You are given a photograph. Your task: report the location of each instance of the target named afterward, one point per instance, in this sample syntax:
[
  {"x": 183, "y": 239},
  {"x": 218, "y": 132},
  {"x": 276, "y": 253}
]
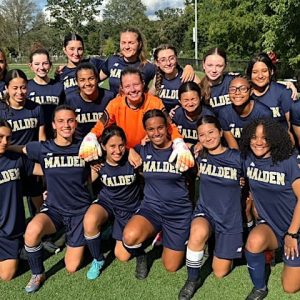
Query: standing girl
[
  {"x": 74, "y": 49},
  {"x": 3, "y": 71},
  {"x": 274, "y": 179},
  {"x": 42, "y": 89},
  {"x": 168, "y": 76},
  {"x": 166, "y": 205},
  {"x": 218, "y": 210},
  {"x": 27, "y": 121},
  {"x": 119, "y": 198}
]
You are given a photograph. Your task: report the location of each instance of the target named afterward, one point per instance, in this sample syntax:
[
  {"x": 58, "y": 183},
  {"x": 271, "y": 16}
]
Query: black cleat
[
  {"x": 257, "y": 294},
  {"x": 141, "y": 271},
  {"x": 189, "y": 289}
]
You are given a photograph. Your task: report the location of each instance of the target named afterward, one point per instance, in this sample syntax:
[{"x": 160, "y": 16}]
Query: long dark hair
[
  {"x": 204, "y": 83},
  {"x": 276, "y": 136}
]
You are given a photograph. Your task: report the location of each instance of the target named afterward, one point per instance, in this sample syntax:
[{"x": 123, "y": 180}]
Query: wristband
[{"x": 292, "y": 235}]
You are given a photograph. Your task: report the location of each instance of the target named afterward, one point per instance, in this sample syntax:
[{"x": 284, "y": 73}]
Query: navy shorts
[
  {"x": 227, "y": 245},
  {"x": 10, "y": 248},
  {"x": 175, "y": 229},
  {"x": 120, "y": 217},
  {"x": 289, "y": 262},
  {"x": 73, "y": 226},
  {"x": 32, "y": 186}
]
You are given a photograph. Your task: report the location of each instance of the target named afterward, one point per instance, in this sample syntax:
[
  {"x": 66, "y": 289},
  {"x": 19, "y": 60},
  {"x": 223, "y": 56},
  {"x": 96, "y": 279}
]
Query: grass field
[{"x": 118, "y": 282}]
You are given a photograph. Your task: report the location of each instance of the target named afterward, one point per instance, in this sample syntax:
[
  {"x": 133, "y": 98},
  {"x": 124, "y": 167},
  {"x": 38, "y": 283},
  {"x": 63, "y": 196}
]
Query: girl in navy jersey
[
  {"x": 215, "y": 83},
  {"x": 274, "y": 179},
  {"x": 12, "y": 215},
  {"x": 68, "y": 197},
  {"x": 90, "y": 101},
  {"x": 74, "y": 49},
  {"x": 27, "y": 121},
  {"x": 3, "y": 71},
  {"x": 168, "y": 76},
  {"x": 276, "y": 96},
  {"x": 42, "y": 89},
  {"x": 132, "y": 54},
  {"x": 186, "y": 116},
  {"x": 166, "y": 205},
  {"x": 119, "y": 198},
  {"x": 218, "y": 209},
  {"x": 242, "y": 110}
]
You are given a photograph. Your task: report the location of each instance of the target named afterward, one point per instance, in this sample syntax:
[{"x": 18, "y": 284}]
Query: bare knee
[
  {"x": 130, "y": 236},
  {"x": 8, "y": 275},
  {"x": 255, "y": 243},
  {"x": 288, "y": 288},
  {"x": 124, "y": 257},
  {"x": 220, "y": 273},
  {"x": 33, "y": 234},
  {"x": 91, "y": 225},
  {"x": 72, "y": 268},
  {"x": 171, "y": 268}
]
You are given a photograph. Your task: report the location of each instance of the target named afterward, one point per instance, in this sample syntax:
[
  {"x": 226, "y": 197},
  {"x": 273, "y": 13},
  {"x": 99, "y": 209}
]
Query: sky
[{"x": 152, "y": 5}]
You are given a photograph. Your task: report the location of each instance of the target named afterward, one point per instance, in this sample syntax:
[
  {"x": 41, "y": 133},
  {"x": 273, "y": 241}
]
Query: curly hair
[{"x": 276, "y": 135}]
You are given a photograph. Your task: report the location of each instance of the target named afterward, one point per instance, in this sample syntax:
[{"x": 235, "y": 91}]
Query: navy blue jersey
[
  {"x": 165, "y": 188},
  {"x": 120, "y": 185},
  {"x": 220, "y": 190},
  {"x": 271, "y": 187},
  {"x": 48, "y": 96},
  {"x": 88, "y": 113},
  {"x": 115, "y": 64},
  {"x": 231, "y": 121},
  {"x": 12, "y": 216},
  {"x": 67, "y": 76},
  {"x": 2, "y": 89},
  {"x": 219, "y": 94},
  {"x": 169, "y": 91},
  {"x": 278, "y": 99},
  {"x": 295, "y": 113},
  {"x": 25, "y": 122},
  {"x": 187, "y": 127},
  {"x": 66, "y": 175}
]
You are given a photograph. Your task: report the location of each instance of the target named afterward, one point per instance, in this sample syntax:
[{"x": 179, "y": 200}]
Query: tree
[
  {"x": 18, "y": 17},
  {"x": 71, "y": 15}
]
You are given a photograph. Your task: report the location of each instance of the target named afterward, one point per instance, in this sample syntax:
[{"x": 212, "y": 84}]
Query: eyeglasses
[
  {"x": 164, "y": 60},
  {"x": 241, "y": 89}
]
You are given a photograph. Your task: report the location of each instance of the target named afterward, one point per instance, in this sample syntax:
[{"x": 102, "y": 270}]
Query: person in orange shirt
[{"x": 127, "y": 111}]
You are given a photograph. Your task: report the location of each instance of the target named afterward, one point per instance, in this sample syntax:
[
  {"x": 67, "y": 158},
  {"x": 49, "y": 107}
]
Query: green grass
[{"x": 118, "y": 282}]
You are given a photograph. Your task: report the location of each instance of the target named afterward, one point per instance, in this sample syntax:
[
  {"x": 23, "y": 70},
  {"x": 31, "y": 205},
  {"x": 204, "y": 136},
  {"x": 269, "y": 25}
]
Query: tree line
[{"x": 241, "y": 27}]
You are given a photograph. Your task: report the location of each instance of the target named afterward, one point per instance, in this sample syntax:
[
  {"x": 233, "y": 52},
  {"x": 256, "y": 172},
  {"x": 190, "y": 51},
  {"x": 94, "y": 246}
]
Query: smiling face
[
  {"x": 190, "y": 101},
  {"x": 239, "y": 91},
  {"x": 261, "y": 75},
  {"x": 209, "y": 136},
  {"x": 40, "y": 65},
  {"x": 65, "y": 124},
  {"x": 132, "y": 88},
  {"x": 259, "y": 144},
  {"x": 157, "y": 131},
  {"x": 167, "y": 61},
  {"x": 115, "y": 149},
  {"x": 74, "y": 51},
  {"x": 87, "y": 82},
  {"x": 214, "y": 66},
  {"x": 17, "y": 90},
  {"x": 5, "y": 135},
  {"x": 129, "y": 45}
]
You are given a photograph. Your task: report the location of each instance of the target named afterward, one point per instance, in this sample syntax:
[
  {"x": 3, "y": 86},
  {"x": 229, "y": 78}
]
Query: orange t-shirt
[{"x": 129, "y": 119}]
